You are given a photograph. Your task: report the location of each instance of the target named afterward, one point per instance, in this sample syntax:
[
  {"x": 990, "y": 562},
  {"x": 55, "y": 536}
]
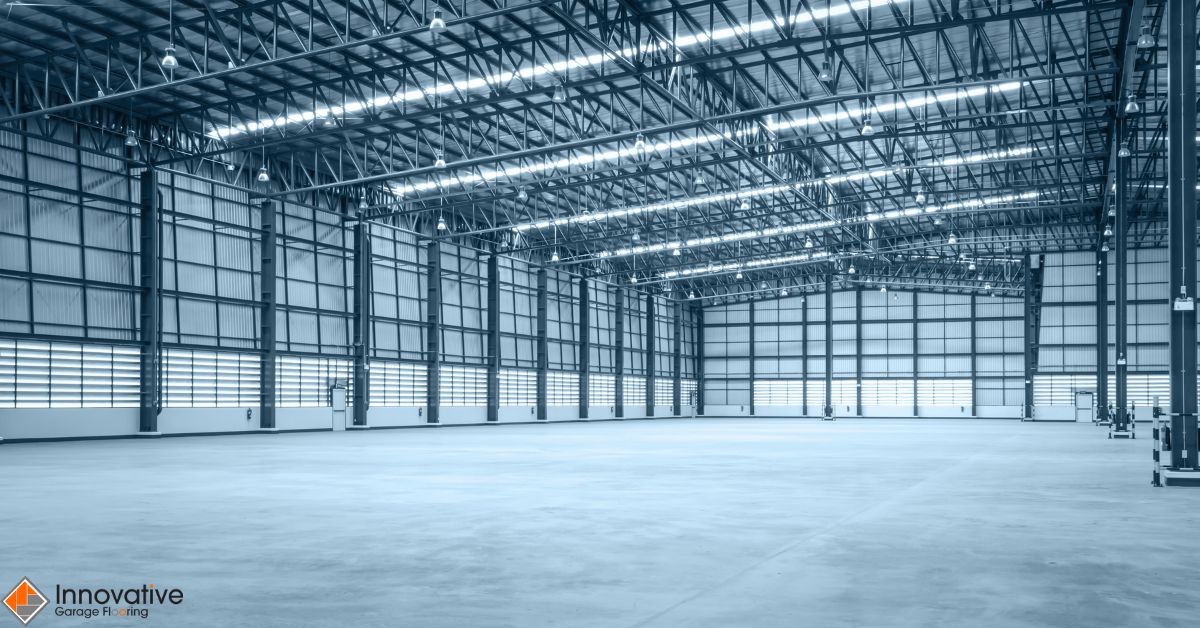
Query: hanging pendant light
[
  {"x": 867, "y": 129},
  {"x": 230, "y": 167},
  {"x": 783, "y": 292},
  {"x": 920, "y": 198},
  {"x": 438, "y": 23},
  {"x": 440, "y": 162},
  {"x": 1131, "y": 105},
  {"x": 1145, "y": 40},
  {"x": 131, "y": 139},
  {"x": 1124, "y": 151},
  {"x": 883, "y": 289},
  {"x": 953, "y": 239},
  {"x": 971, "y": 266},
  {"x": 263, "y": 175},
  {"x": 1108, "y": 232},
  {"x": 522, "y": 195},
  {"x": 639, "y": 143},
  {"x": 699, "y": 181},
  {"x": 560, "y": 95},
  {"x": 745, "y": 205},
  {"x": 826, "y": 74},
  {"x": 738, "y": 275},
  {"x": 676, "y": 253},
  {"x": 633, "y": 279},
  {"x": 852, "y": 269},
  {"x": 808, "y": 243},
  {"x": 1104, "y": 248},
  {"x": 441, "y": 224},
  {"x": 169, "y": 60},
  {"x": 554, "y": 256}
]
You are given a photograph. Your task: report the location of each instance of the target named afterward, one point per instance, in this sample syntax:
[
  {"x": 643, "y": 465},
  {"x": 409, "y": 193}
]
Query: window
[
  {"x": 944, "y": 392},
  {"x": 780, "y": 392},
  {"x": 304, "y": 381},
  {"x": 463, "y": 386},
  {"x": 562, "y": 389},
  {"x": 518, "y": 388},
  {"x": 887, "y": 392},
  {"x": 602, "y": 390},
  {"x": 1059, "y": 390},
  {"x": 664, "y": 392},
  {"x": 208, "y": 379},
  {"x": 68, "y": 375},
  {"x": 635, "y": 390},
  {"x": 845, "y": 392},
  {"x": 688, "y": 392},
  {"x": 398, "y": 384}
]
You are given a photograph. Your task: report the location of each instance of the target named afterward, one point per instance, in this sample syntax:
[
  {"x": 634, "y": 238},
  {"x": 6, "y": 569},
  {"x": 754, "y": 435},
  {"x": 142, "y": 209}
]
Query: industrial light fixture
[
  {"x": 560, "y": 94},
  {"x": 867, "y": 129},
  {"x": 329, "y": 122},
  {"x": 676, "y": 253},
  {"x": 639, "y": 143},
  {"x": 953, "y": 239},
  {"x": 883, "y": 289},
  {"x": 263, "y": 175},
  {"x": 745, "y": 204},
  {"x": 522, "y": 194},
  {"x": 1124, "y": 151},
  {"x": 851, "y": 270},
  {"x": 1112, "y": 211},
  {"x": 362, "y": 204},
  {"x": 783, "y": 292},
  {"x": 808, "y": 243},
  {"x": 230, "y": 167},
  {"x": 637, "y": 236},
  {"x": 441, "y": 224},
  {"x": 691, "y": 294},
  {"x": 1145, "y": 40},
  {"x": 633, "y": 279},
  {"x": 987, "y": 286},
  {"x": 169, "y": 60},
  {"x": 763, "y": 285},
  {"x": 920, "y": 198},
  {"x": 826, "y": 74},
  {"x": 1104, "y": 248},
  {"x": 971, "y": 266},
  {"x": 440, "y": 162},
  {"x": 131, "y": 139},
  {"x": 554, "y": 256},
  {"x": 738, "y": 275},
  {"x": 1108, "y": 232},
  {"x": 1131, "y": 105},
  {"x": 437, "y": 24}
]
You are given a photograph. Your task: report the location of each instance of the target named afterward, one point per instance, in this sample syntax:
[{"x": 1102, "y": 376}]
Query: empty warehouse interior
[{"x": 744, "y": 313}]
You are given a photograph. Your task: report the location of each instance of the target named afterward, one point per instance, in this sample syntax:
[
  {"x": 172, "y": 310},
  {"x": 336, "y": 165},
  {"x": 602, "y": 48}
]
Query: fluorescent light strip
[
  {"x": 722, "y": 197},
  {"x": 753, "y": 234},
  {"x": 712, "y": 269},
  {"x": 533, "y": 72},
  {"x": 614, "y": 154}
]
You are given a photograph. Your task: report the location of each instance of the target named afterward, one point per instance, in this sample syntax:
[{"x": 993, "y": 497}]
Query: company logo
[{"x": 25, "y": 601}]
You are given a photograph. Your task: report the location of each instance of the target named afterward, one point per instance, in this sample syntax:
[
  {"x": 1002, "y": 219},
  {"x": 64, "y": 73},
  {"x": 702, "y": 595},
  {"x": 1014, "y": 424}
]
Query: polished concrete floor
[{"x": 708, "y": 522}]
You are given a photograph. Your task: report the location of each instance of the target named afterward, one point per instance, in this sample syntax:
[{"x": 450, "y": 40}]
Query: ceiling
[{"x": 719, "y": 149}]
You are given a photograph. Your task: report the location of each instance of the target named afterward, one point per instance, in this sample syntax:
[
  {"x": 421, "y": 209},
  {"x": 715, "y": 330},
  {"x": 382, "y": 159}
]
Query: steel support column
[
  {"x": 493, "y": 337},
  {"x": 804, "y": 353},
  {"x": 750, "y": 371},
  {"x": 1031, "y": 332},
  {"x": 619, "y": 355},
  {"x": 677, "y": 360},
  {"x": 698, "y": 314},
  {"x": 828, "y": 345},
  {"x": 543, "y": 346},
  {"x": 651, "y": 354},
  {"x": 1102, "y": 337},
  {"x": 433, "y": 331},
  {"x": 858, "y": 350},
  {"x": 1121, "y": 281},
  {"x": 974, "y": 345},
  {"x": 1181, "y": 229},
  {"x": 585, "y": 346},
  {"x": 362, "y": 322},
  {"x": 150, "y": 307},
  {"x": 266, "y": 339}
]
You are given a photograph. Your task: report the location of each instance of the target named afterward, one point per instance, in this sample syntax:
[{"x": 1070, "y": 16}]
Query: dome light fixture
[
  {"x": 808, "y": 243},
  {"x": 438, "y": 23},
  {"x": 554, "y": 256},
  {"x": 738, "y": 275},
  {"x": 263, "y": 175},
  {"x": 851, "y": 270},
  {"x": 826, "y": 74},
  {"x": 441, "y": 224},
  {"x": 676, "y": 252},
  {"x": 633, "y": 279},
  {"x": 1145, "y": 40},
  {"x": 920, "y": 198},
  {"x": 971, "y": 266},
  {"x": 1103, "y": 249},
  {"x": 1124, "y": 151},
  {"x": 883, "y": 289},
  {"x": 987, "y": 286},
  {"x": 522, "y": 194},
  {"x": 953, "y": 239},
  {"x": 745, "y": 205},
  {"x": 783, "y": 292},
  {"x": 169, "y": 60},
  {"x": 230, "y": 167},
  {"x": 1131, "y": 105},
  {"x": 560, "y": 94},
  {"x": 440, "y": 162},
  {"x": 639, "y": 143},
  {"x": 867, "y": 129},
  {"x": 691, "y": 294},
  {"x": 131, "y": 139},
  {"x": 1108, "y": 232}
]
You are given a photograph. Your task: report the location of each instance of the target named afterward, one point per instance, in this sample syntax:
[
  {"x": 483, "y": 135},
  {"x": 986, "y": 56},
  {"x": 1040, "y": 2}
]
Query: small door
[
  {"x": 1084, "y": 410},
  {"x": 337, "y": 396}
]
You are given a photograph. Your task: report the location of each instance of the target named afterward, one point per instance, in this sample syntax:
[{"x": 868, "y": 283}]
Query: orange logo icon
[{"x": 25, "y": 601}]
